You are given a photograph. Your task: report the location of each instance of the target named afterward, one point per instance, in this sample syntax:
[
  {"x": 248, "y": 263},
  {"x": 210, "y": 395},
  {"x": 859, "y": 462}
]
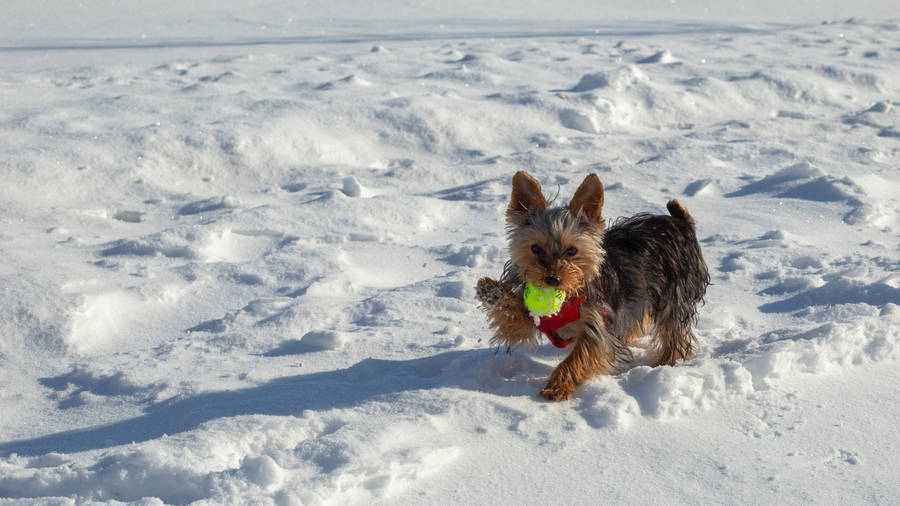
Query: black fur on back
[{"x": 653, "y": 265}]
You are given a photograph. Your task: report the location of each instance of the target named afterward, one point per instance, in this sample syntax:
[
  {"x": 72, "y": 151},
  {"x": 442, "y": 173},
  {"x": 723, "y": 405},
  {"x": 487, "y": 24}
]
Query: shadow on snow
[{"x": 368, "y": 380}]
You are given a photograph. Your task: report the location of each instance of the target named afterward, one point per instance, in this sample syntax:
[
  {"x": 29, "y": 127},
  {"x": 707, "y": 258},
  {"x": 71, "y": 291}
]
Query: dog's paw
[
  {"x": 558, "y": 392},
  {"x": 489, "y": 292}
]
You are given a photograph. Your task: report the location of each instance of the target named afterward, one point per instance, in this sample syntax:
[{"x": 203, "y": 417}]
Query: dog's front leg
[
  {"x": 506, "y": 312},
  {"x": 588, "y": 358}
]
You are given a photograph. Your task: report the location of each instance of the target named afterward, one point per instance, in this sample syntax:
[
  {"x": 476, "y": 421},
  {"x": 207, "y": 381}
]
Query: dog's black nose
[{"x": 552, "y": 280}]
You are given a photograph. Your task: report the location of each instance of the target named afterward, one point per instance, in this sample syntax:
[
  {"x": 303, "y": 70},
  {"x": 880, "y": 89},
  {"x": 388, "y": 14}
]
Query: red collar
[{"x": 566, "y": 315}]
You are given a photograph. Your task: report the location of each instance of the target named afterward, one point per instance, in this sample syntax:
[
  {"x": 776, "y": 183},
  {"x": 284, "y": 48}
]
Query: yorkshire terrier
[{"x": 644, "y": 272}]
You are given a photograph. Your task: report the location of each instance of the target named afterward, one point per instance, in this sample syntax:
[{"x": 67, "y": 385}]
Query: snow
[{"x": 240, "y": 243}]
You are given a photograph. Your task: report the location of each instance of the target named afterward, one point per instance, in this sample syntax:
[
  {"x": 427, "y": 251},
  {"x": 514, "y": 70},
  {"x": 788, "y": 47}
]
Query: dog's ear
[
  {"x": 526, "y": 195},
  {"x": 588, "y": 199}
]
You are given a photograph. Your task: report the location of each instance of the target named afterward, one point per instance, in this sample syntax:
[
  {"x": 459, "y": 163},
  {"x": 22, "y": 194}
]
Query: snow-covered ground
[{"x": 238, "y": 250}]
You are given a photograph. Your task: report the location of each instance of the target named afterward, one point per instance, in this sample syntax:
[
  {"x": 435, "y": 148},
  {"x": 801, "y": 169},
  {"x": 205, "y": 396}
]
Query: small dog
[{"x": 644, "y": 271}]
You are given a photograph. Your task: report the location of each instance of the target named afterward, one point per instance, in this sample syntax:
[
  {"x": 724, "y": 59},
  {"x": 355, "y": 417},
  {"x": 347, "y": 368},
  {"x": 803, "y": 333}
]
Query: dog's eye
[
  {"x": 537, "y": 250},
  {"x": 572, "y": 251}
]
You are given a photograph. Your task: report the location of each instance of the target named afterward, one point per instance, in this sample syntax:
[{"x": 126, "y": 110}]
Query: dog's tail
[{"x": 678, "y": 211}]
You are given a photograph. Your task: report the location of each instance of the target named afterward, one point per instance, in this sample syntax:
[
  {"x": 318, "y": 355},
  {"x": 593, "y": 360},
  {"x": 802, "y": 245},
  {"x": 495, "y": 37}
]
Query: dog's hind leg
[{"x": 674, "y": 340}]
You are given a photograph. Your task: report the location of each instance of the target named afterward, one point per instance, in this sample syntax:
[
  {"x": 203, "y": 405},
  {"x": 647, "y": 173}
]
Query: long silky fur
[
  {"x": 654, "y": 267},
  {"x": 650, "y": 265},
  {"x": 643, "y": 271}
]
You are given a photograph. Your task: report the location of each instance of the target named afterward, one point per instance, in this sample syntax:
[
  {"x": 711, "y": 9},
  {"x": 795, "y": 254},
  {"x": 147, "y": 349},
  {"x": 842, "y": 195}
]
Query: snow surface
[{"x": 239, "y": 248}]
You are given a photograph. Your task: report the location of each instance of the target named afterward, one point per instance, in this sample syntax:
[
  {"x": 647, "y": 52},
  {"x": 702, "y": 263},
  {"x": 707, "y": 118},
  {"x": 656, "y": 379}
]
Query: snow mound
[{"x": 575, "y": 120}]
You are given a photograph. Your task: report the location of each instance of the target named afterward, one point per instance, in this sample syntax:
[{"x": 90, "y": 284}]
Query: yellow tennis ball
[{"x": 543, "y": 301}]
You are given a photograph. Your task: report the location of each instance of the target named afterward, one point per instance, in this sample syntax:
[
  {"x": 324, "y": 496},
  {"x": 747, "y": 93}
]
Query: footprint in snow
[
  {"x": 663, "y": 56},
  {"x": 489, "y": 190},
  {"x": 294, "y": 187},
  {"x": 147, "y": 247},
  {"x": 701, "y": 188},
  {"x": 208, "y": 205},
  {"x": 129, "y": 216},
  {"x": 84, "y": 381}
]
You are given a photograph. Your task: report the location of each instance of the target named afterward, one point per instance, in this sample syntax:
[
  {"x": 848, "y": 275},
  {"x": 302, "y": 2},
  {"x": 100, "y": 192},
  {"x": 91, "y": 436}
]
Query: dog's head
[{"x": 555, "y": 247}]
